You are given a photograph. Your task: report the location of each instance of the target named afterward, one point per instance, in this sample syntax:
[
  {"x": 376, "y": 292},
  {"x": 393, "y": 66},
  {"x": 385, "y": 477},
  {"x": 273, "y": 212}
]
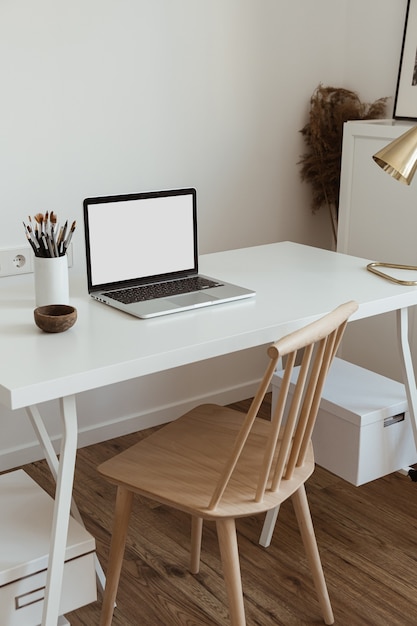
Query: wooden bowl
[{"x": 55, "y": 318}]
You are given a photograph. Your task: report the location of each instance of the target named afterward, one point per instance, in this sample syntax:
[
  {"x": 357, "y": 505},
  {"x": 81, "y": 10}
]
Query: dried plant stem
[{"x": 330, "y": 108}]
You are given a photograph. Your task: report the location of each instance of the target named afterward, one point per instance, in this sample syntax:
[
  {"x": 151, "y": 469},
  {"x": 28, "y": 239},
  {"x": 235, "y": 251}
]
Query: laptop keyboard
[{"x": 161, "y": 290}]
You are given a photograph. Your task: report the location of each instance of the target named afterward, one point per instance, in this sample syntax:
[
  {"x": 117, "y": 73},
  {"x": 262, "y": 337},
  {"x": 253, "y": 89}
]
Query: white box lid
[{"x": 360, "y": 396}]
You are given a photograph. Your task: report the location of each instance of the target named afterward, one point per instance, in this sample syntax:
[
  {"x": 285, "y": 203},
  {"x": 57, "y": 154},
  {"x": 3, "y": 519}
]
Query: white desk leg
[
  {"x": 408, "y": 369},
  {"x": 52, "y": 460},
  {"x": 62, "y": 505},
  {"x": 268, "y": 527}
]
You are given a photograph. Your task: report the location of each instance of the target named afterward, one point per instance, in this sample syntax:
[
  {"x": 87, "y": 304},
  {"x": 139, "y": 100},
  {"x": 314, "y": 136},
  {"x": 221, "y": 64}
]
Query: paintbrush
[
  {"x": 59, "y": 239},
  {"x": 68, "y": 239},
  {"x": 33, "y": 238},
  {"x": 53, "y": 220},
  {"x": 39, "y": 221},
  {"x": 62, "y": 239},
  {"x": 29, "y": 238}
]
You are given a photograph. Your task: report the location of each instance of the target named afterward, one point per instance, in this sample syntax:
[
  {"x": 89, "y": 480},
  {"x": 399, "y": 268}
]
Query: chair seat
[{"x": 197, "y": 445}]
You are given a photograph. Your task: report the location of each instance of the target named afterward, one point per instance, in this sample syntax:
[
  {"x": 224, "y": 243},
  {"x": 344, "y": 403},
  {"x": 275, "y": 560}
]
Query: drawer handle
[
  {"x": 394, "y": 419},
  {"x": 30, "y": 598}
]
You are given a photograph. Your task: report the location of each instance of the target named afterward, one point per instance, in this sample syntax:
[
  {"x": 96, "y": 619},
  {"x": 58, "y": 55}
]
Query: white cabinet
[{"x": 378, "y": 221}]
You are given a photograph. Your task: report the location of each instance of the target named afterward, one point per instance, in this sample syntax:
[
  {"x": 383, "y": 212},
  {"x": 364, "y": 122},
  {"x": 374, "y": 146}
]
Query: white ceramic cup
[{"x": 51, "y": 280}]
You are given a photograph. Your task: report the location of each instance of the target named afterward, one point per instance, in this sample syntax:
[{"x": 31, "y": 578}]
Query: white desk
[{"x": 295, "y": 284}]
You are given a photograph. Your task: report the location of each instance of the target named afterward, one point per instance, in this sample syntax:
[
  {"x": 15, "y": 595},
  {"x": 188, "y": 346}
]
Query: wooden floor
[{"x": 367, "y": 538}]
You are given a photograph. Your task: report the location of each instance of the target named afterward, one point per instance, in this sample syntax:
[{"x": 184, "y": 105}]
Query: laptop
[{"x": 141, "y": 252}]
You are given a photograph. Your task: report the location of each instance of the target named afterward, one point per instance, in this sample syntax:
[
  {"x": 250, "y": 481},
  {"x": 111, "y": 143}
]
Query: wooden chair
[{"x": 219, "y": 464}]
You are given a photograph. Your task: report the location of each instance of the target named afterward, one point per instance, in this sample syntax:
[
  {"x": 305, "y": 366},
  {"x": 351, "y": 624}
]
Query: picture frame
[{"x": 405, "y": 105}]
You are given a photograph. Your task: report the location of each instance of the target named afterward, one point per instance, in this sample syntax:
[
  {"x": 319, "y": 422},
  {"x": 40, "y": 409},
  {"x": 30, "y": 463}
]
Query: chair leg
[
  {"x": 302, "y": 511},
  {"x": 226, "y": 532},
  {"x": 118, "y": 541},
  {"x": 196, "y": 533}
]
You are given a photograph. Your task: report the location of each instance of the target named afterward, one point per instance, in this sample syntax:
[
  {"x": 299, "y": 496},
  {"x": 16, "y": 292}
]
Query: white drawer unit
[
  {"x": 25, "y": 524},
  {"x": 363, "y": 429}
]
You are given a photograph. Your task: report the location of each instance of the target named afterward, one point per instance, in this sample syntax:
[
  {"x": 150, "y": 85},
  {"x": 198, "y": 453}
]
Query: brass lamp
[{"x": 399, "y": 160}]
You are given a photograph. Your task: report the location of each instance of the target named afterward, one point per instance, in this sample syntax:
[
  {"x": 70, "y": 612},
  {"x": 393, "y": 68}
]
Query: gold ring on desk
[{"x": 372, "y": 268}]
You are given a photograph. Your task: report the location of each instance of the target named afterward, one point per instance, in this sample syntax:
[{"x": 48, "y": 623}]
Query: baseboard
[
  {"x": 125, "y": 424},
  {"x": 161, "y": 415}
]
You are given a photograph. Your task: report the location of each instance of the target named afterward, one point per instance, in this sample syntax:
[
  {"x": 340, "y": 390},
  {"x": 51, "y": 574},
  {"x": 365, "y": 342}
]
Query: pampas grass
[{"x": 330, "y": 108}]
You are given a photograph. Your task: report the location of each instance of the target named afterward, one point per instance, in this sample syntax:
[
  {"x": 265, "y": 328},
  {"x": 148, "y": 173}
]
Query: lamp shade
[{"x": 399, "y": 158}]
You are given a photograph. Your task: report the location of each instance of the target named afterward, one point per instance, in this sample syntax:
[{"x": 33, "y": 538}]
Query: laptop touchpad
[{"x": 190, "y": 299}]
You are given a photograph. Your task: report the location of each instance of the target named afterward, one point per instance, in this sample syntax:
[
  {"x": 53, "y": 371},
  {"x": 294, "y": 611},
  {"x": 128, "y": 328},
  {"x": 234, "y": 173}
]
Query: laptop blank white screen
[{"x": 143, "y": 237}]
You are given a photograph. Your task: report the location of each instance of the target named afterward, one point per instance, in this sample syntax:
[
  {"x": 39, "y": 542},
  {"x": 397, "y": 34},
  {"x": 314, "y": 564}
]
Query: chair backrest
[{"x": 314, "y": 346}]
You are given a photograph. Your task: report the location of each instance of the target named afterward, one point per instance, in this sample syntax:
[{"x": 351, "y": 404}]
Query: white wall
[
  {"x": 101, "y": 97},
  {"x": 374, "y": 33},
  {"x": 106, "y": 96}
]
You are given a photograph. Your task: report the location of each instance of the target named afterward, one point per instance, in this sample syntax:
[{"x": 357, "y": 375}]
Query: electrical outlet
[{"x": 15, "y": 261}]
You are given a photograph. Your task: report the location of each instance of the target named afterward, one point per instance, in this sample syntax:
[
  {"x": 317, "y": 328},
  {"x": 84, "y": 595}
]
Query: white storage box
[
  {"x": 363, "y": 429},
  {"x": 25, "y": 526}
]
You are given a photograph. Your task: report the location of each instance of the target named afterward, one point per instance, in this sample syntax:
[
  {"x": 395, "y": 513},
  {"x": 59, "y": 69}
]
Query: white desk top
[{"x": 294, "y": 284}]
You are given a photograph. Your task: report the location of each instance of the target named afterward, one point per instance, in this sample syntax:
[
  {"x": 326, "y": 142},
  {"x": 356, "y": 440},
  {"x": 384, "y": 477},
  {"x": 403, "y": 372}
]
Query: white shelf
[{"x": 25, "y": 526}]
